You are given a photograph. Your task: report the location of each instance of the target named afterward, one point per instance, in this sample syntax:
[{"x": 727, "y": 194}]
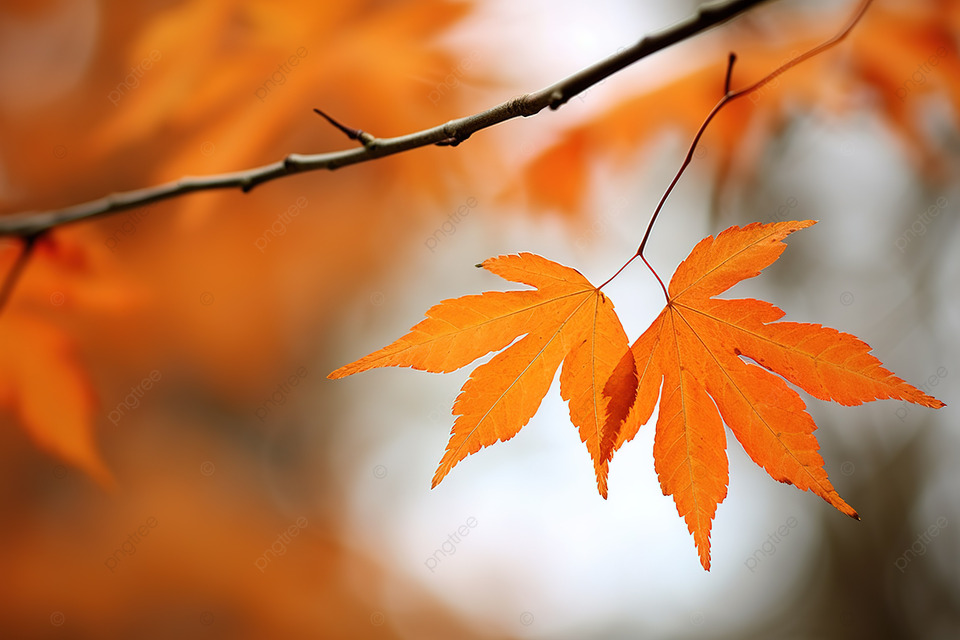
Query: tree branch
[{"x": 451, "y": 133}]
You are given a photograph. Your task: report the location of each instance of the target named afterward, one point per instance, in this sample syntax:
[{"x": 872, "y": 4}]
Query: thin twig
[
  {"x": 13, "y": 276},
  {"x": 731, "y": 60},
  {"x": 450, "y": 134},
  {"x": 728, "y": 97},
  {"x": 353, "y": 134}
]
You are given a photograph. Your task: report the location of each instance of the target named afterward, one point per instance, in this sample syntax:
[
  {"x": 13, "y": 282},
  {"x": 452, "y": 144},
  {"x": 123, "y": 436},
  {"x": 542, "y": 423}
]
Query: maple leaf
[
  {"x": 566, "y": 319},
  {"x": 695, "y": 348}
]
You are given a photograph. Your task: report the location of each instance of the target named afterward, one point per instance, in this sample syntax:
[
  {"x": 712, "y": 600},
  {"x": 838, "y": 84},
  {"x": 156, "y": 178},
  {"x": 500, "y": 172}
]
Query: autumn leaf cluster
[{"x": 710, "y": 361}]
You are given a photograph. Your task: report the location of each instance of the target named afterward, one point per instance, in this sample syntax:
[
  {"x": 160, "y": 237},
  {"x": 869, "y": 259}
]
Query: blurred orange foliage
[
  {"x": 900, "y": 56},
  {"x": 118, "y": 321},
  {"x": 221, "y": 295}
]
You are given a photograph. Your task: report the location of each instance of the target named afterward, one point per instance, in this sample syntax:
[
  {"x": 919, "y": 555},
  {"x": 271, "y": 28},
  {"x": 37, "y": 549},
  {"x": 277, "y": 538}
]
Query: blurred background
[{"x": 174, "y": 461}]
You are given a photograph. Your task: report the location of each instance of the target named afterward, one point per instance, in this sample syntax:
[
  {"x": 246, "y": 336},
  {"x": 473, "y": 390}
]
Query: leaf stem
[{"x": 728, "y": 97}]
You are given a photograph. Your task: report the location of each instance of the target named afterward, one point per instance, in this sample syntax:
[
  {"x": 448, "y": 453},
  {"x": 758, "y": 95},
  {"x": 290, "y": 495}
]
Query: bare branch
[{"x": 451, "y": 133}]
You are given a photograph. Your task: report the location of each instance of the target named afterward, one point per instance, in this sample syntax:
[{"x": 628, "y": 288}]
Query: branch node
[
  {"x": 557, "y": 100},
  {"x": 520, "y": 106},
  {"x": 454, "y": 135}
]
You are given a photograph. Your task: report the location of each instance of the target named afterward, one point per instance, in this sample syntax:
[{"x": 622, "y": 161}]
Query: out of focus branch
[
  {"x": 452, "y": 133},
  {"x": 6, "y": 289}
]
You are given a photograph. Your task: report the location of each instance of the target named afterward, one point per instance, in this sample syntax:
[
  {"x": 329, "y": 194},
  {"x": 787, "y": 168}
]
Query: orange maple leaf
[
  {"x": 566, "y": 320},
  {"x": 695, "y": 348}
]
